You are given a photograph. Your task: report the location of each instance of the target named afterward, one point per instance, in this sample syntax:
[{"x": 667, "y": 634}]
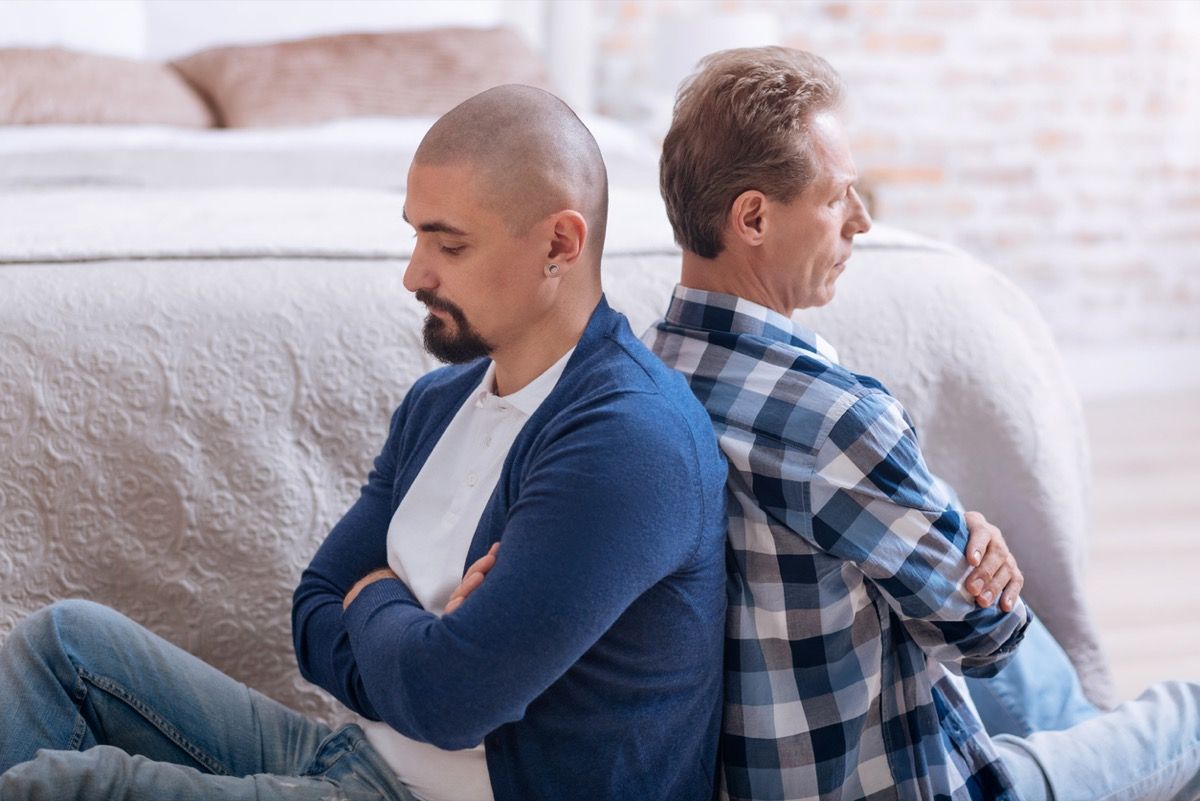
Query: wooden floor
[{"x": 1144, "y": 570}]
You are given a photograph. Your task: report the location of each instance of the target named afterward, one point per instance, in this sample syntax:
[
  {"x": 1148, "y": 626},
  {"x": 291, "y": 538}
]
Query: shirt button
[
  {"x": 487, "y": 441},
  {"x": 472, "y": 479}
]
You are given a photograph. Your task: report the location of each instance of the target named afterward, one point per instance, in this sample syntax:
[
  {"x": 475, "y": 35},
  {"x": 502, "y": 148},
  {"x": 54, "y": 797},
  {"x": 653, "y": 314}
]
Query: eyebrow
[{"x": 435, "y": 227}]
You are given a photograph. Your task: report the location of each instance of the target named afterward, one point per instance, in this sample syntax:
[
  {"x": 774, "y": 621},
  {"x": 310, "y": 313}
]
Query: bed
[{"x": 203, "y": 333}]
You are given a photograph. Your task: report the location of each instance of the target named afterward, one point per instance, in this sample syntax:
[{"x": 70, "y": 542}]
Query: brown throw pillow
[
  {"x": 52, "y": 86},
  {"x": 405, "y": 73}
]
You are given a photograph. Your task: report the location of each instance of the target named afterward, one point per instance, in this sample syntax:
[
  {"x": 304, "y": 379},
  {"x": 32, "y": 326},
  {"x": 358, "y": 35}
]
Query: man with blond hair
[
  {"x": 850, "y": 593},
  {"x": 588, "y": 666}
]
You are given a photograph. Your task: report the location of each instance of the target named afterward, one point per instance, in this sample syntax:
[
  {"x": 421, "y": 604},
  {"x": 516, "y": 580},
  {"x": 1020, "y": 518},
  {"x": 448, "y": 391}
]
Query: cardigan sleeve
[
  {"x": 607, "y": 506},
  {"x": 356, "y": 546}
]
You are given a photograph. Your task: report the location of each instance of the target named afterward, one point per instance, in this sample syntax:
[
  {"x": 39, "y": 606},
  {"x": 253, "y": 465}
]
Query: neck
[
  {"x": 542, "y": 343},
  {"x": 732, "y": 273}
]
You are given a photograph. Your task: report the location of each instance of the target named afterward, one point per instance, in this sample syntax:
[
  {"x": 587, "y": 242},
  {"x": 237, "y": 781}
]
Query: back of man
[
  {"x": 848, "y": 584},
  {"x": 845, "y": 574}
]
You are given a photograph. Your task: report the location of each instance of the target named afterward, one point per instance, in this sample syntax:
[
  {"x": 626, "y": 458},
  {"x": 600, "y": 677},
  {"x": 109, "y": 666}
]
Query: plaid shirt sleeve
[{"x": 875, "y": 504}]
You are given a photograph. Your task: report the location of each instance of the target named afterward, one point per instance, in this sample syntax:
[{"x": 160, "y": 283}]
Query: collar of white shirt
[{"x": 527, "y": 398}]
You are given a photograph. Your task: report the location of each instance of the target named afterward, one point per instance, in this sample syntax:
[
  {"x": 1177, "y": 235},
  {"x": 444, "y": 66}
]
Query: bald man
[{"x": 588, "y": 666}]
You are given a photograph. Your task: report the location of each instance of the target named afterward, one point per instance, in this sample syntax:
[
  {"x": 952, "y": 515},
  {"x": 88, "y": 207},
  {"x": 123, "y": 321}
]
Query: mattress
[
  {"x": 360, "y": 152},
  {"x": 194, "y": 379}
]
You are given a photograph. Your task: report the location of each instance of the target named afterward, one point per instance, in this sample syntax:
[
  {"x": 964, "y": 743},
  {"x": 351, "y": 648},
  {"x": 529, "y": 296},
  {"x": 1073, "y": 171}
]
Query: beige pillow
[
  {"x": 47, "y": 86},
  {"x": 405, "y": 73}
]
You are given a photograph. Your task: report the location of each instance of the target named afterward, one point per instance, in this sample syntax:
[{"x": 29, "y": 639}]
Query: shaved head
[{"x": 535, "y": 157}]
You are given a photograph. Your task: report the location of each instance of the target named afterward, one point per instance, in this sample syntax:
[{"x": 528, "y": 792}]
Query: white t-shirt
[{"x": 427, "y": 544}]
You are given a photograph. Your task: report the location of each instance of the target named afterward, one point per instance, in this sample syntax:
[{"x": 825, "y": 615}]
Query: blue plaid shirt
[{"x": 846, "y": 570}]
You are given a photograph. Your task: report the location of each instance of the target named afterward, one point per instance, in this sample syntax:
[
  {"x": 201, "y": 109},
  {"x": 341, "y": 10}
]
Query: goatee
[{"x": 463, "y": 344}]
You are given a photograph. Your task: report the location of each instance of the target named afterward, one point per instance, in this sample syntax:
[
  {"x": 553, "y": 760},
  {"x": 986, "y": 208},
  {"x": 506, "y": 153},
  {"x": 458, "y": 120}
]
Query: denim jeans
[
  {"x": 1038, "y": 690},
  {"x": 1144, "y": 750},
  {"x": 97, "y": 708},
  {"x": 1059, "y": 747}
]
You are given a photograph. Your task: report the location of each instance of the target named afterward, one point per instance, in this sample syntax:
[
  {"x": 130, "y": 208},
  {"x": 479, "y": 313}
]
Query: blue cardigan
[{"x": 589, "y": 662}]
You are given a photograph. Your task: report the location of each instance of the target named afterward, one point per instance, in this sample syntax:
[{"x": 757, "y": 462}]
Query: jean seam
[
  {"x": 164, "y": 726},
  {"x": 81, "y": 727}
]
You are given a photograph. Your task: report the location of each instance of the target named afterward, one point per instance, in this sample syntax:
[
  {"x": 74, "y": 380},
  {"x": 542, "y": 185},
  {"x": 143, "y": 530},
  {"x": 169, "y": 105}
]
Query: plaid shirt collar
[{"x": 728, "y": 314}]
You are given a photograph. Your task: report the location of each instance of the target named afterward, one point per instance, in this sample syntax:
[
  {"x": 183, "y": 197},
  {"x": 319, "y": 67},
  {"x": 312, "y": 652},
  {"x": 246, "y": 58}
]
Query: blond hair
[{"x": 738, "y": 124}]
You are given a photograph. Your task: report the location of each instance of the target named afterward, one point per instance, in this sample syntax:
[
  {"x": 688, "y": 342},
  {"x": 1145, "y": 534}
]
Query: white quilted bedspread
[{"x": 192, "y": 388}]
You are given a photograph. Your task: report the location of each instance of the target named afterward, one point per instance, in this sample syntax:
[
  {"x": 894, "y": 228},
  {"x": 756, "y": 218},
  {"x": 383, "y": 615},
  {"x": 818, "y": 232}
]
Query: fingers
[
  {"x": 473, "y": 578},
  {"x": 996, "y": 575},
  {"x": 471, "y": 582},
  {"x": 1005, "y": 584},
  {"x": 1012, "y": 592},
  {"x": 994, "y": 587},
  {"x": 997, "y": 556},
  {"x": 981, "y": 533},
  {"x": 482, "y": 565}
]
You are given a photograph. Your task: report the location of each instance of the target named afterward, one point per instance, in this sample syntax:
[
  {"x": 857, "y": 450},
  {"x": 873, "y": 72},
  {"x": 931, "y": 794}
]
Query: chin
[{"x": 825, "y": 295}]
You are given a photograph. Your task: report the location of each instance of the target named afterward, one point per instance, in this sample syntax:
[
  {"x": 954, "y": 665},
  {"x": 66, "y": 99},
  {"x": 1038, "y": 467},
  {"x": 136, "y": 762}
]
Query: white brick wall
[{"x": 1058, "y": 140}]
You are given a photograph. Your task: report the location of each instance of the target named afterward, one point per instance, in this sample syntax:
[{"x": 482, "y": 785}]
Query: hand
[
  {"x": 473, "y": 580},
  {"x": 996, "y": 574},
  {"x": 375, "y": 575}
]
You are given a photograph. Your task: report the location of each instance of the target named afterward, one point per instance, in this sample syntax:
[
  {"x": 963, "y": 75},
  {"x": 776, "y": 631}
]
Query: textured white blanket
[
  {"x": 192, "y": 388},
  {"x": 93, "y": 224}
]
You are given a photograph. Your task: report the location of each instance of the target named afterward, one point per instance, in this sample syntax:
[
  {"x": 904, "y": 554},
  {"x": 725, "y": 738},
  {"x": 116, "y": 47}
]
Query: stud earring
[{"x": 551, "y": 270}]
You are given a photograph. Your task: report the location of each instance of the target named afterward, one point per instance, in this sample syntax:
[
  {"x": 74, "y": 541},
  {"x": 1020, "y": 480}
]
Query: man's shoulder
[
  {"x": 618, "y": 394},
  {"x": 766, "y": 386},
  {"x": 622, "y": 367}
]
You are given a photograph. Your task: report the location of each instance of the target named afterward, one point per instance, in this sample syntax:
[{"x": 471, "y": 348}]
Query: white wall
[
  {"x": 164, "y": 29},
  {"x": 112, "y": 27},
  {"x": 179, "y": 27}
]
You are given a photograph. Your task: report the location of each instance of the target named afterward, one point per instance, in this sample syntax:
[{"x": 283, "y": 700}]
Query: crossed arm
[
  {"x": 472, "y": 579},
  {"x": 875, "y": 504},
  {"x": 995, "y": 573},
  {"x": 360, "y": 633}
]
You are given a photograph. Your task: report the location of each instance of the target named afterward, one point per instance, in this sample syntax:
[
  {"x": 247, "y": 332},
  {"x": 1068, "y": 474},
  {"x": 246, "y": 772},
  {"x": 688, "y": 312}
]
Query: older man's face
[
  {"x": 476, "y": 278},
  {"x": 812, "y": 237}
]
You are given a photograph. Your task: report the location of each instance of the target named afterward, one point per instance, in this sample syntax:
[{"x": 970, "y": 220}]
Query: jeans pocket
[{"x": 347, "y": 760}]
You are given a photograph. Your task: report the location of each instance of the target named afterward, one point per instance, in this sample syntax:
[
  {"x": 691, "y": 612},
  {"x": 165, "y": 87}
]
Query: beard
[{"x": 462, "y": 344}]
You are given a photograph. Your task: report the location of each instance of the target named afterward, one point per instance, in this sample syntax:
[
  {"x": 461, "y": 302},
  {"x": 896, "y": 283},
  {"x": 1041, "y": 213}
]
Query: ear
[
  {"x": 747, "y": 217},
  {"x": 568, "y": 237}
]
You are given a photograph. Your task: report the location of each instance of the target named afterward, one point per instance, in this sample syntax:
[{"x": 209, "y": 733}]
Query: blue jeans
[
  {"x": 1038, "y": 690},
  {"x": 1059, "y": 747},
  {"x": 1144, "y": 750},
  {"x": 96, "y": 707}
]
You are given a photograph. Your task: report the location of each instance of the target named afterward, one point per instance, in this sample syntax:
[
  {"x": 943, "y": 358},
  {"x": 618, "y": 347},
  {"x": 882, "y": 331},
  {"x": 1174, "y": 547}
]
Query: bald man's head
[{"x": 534, "y": 156}]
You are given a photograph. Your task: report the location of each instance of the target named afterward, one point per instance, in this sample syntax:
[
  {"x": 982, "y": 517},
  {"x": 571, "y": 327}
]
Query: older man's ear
[{"x": 747, "y": 218}]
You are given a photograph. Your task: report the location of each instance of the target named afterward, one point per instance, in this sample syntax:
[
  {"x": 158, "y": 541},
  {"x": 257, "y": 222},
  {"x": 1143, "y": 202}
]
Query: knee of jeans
[
  {"x": 61, "y": 626},
  {"x": 54, "y": 775},
  {"x": 1182, "y": 697}
]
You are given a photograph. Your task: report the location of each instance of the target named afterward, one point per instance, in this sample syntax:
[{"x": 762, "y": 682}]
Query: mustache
[{"x": 432, "y": 301}]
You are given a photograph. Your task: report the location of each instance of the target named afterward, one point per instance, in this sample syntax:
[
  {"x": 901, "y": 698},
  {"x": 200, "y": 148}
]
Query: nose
[
  {"x": 859, "y": 221},
  {"x": 418, "y": 275}
]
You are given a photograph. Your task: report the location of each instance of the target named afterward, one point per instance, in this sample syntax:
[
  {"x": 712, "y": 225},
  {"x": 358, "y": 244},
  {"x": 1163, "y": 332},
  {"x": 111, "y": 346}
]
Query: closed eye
[{"x": 845, "y": 195}]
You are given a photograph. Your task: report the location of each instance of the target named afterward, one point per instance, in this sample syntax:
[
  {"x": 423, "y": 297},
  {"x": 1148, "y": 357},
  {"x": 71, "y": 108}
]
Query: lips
[{"x": 436, "y": 305}]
